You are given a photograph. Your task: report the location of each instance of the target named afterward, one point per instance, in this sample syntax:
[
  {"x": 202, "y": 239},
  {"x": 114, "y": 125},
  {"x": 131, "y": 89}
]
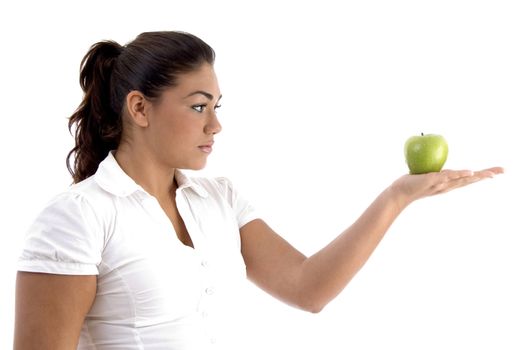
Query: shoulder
[
  {"x": 88, "y": 190},
  {"x": 218, "y": 187},
  {"x": 218, "y": 183},
  {"x": 84, "y": 202},
  {"x": 222, "y": 190},
  {"x": 66, "y": 237},
  {"x": 81, "y": 209}
]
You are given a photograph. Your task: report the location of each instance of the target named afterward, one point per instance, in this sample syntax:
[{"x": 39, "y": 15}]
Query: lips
[{"x": 207, "y": 148}]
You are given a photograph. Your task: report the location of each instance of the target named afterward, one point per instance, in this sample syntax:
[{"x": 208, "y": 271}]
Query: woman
[{"x": 135, "y": 255}]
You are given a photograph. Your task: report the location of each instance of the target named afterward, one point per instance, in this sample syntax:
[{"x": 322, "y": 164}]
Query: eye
[
  {"x": 199, "y": 108},
  {"x": 217, "y": 107}
]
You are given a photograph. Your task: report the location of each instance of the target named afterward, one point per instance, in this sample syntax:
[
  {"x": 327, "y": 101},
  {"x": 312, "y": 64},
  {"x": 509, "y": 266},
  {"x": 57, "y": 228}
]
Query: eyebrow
[{"x": 204, "y": 93}]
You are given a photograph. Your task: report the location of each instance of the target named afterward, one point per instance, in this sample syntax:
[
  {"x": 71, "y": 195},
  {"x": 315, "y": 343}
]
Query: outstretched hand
[{"x": 413, "y": 187}]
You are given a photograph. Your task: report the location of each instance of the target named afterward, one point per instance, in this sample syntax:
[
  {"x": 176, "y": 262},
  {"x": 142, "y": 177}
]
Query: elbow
[
  {"x": 315, "y": 309},
  {"x": 312, "y": 305},
  {"x": 312, "y": 300}
]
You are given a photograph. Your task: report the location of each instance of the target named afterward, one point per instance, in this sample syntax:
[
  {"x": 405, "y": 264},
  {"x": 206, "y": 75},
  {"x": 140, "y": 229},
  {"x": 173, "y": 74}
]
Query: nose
[{"x": 213, "y": 126}]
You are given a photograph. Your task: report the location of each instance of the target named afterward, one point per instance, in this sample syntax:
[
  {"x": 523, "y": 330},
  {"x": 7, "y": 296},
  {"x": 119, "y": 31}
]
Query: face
[{"x": 182, "y": 123}]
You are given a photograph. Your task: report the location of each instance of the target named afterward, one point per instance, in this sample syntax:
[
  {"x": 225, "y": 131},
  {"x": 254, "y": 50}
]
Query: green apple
[{"x": 425, "y": 153}]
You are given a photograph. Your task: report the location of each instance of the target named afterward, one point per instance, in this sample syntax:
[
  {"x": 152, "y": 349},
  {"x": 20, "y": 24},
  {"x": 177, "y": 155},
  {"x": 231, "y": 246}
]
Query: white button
[{"x": 209, "y": 290}]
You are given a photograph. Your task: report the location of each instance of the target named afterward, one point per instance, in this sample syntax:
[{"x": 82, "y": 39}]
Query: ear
[{"x": 136, "y": 105}]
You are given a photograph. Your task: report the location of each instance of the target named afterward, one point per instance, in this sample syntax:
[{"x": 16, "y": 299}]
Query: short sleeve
[
  {"x": 63, "y": 239},
  {"x": 243, "y": 209}
]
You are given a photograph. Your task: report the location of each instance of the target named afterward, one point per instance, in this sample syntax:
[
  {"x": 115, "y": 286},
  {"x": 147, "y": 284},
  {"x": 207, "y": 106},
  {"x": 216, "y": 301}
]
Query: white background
[{"x": 319, "y": 98}]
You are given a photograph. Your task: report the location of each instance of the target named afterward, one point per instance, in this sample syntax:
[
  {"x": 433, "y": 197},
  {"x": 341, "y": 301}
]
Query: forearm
[
  {"x": 326, "y": 273},
  {"x": 310, "y": 283}
]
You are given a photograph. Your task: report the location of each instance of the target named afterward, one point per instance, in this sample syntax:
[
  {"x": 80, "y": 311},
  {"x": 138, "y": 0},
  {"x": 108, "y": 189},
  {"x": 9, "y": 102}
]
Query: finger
[
  {"x": 452, "y": 179},
  {"x": 485, "y": 173},
  {"x": 449, "y": 174},
  {"x": 457, "y": 183},
  {"x": 493, "y": 171}
]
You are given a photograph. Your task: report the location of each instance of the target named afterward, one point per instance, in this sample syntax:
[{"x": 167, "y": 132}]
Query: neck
[{"x": 156, "y": 179}]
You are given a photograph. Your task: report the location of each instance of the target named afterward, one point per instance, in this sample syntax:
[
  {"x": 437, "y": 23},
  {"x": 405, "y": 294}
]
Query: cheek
[
  {"x": 176, "y": 127},
  {"x": 181, "y": 132}
]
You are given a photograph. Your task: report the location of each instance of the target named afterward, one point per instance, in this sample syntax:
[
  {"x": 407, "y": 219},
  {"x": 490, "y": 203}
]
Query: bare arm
[
  {"x": 50, "y": 310},
  {"x": 311, "y": 283}
]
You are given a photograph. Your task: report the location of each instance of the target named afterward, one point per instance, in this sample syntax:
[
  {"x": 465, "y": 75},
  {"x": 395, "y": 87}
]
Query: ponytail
[
  {"x": 150, "y": 64},
  {"x": 98, "y": 126}
]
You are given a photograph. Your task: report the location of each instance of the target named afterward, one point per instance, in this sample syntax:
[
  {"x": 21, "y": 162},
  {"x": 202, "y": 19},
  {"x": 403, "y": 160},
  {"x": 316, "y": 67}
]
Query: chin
[{"x": 195, "y": 166}]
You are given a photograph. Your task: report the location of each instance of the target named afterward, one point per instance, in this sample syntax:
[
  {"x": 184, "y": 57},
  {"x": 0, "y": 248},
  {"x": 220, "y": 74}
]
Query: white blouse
[{"x": 153, "y": 292}]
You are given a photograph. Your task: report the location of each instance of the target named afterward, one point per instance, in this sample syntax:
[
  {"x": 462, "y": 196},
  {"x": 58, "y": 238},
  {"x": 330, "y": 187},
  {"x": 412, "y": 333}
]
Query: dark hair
[{"x": 109, "y": 71}]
